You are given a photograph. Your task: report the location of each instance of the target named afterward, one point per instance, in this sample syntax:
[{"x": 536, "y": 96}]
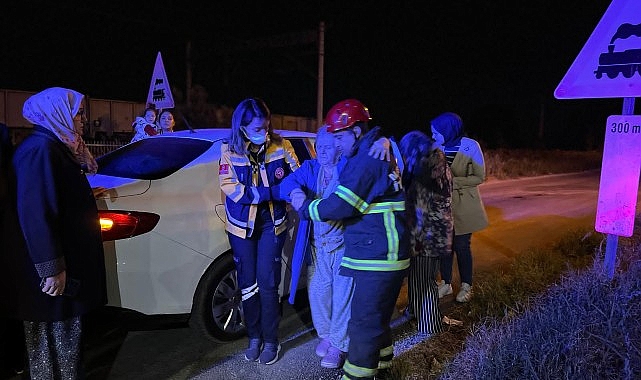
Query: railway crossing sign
[
  {"x": 159, "y": 90},
  {"x": 609, "y": 65}
]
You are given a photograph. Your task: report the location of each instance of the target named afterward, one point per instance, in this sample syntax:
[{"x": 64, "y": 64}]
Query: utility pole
[
  {"x": 321, "y": 70},
  {"x": 541, "y": 133},
  {"x": 188, "y": 74}
]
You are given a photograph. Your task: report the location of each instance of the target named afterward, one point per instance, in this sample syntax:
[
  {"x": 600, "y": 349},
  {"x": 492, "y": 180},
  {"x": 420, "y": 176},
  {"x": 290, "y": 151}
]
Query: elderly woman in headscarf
[
  {"x": 58, "y": 271},
  {"x": 427, "y": 181}
]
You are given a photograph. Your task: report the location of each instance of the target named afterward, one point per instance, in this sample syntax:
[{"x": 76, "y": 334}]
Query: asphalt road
[
  {"x": 122, "y": 345},
  {"x": 523, "y": 213}
]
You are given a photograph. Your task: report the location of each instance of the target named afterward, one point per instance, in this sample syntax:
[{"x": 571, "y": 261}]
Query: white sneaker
[
  {"x": 444, "y": 289},
  {"x": 335, "y": 358},
  {"x": 465, "y": 294}
]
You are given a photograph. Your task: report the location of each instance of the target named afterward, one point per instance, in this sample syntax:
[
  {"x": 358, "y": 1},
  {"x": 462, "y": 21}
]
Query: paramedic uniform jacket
[
  {"x": 245, "y": 187},
  {"x": 371, "y": 202}
]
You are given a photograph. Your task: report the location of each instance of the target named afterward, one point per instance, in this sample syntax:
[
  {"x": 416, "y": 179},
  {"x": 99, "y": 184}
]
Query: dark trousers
[
  {"x": 460, "y": 246},
  {"x": 258, "y": 264},
  {"x": 12, "y": 347},
  {"x": 370, "y": 335}
]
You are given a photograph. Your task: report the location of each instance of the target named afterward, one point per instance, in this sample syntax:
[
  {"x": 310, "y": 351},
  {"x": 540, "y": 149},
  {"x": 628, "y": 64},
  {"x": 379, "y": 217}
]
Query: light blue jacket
[{"x": 304, "y": 178}]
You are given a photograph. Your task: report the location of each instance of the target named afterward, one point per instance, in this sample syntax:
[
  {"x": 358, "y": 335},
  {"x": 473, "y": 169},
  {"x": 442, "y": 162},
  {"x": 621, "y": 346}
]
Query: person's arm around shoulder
[{"x": 380, "y": 149}]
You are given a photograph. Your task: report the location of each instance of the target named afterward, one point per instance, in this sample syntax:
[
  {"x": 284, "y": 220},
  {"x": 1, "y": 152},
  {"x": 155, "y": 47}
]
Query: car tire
[{"x": 217, "y": 309}]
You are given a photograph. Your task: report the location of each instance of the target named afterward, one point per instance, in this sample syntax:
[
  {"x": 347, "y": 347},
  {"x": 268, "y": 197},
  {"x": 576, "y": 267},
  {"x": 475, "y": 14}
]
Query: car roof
[
  {"x": 151, "y": 159},
  {"x": 214, "y": 134}
]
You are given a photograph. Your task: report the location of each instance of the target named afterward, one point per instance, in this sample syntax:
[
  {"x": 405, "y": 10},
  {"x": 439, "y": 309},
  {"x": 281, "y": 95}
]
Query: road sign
[
  {"x": 609, "y": 65},
  {"x": 619, "y": 183},
  {"x": 159, "y": 90}
]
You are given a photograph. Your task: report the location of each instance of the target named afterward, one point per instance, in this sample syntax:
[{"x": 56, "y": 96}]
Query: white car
[{"x": 163, "y": 221}]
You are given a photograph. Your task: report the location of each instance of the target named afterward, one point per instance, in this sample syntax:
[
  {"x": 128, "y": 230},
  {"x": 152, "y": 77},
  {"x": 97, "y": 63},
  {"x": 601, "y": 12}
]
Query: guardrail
[{"x": 98, "y": 148}]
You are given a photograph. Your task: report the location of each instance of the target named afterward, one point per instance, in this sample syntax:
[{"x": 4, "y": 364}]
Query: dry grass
[
  {"x": 552, "y": 314},
  {"x": 514, "y": 163},
  {"x": 503, "y": 295}
]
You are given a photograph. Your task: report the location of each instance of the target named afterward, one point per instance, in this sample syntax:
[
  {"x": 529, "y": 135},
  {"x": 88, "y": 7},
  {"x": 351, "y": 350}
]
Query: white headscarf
[{"x": 54, "y": 109}]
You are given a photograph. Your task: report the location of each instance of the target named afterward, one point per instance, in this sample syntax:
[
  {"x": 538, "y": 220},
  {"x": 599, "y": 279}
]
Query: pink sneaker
[
  {"x": 335, "y": 358},
  {"x": 322, "y": 347}
]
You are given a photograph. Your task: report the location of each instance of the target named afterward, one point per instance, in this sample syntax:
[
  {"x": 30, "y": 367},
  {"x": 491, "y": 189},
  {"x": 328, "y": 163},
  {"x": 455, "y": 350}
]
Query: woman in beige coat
[{"x": 465, "y": 157}]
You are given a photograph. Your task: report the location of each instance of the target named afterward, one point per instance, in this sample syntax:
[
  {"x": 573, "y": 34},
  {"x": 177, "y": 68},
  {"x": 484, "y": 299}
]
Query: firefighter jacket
[
  {"x": 371, "y": 203},
  {"x": 246, "y": 182}
]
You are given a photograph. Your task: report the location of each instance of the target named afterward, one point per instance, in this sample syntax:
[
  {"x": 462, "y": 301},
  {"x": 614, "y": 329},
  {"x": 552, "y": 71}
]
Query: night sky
[{"x": 496, "y": 63}]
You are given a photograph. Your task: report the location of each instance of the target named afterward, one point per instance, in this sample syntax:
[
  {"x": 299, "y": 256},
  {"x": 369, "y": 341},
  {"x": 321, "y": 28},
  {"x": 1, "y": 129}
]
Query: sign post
[{"x": 609, "y": 66}]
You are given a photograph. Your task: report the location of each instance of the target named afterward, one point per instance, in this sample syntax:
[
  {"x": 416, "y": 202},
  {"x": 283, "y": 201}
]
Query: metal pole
[
  {"x": 188, "y": 74},
  {"x": 612, "y": 241},
  {"x": 321, "y": 70}
]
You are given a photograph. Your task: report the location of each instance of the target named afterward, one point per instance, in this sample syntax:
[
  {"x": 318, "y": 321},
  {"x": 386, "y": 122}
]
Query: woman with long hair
[
  {"x": 427, "y": 181},
  {"x": 252, "y": 161}
]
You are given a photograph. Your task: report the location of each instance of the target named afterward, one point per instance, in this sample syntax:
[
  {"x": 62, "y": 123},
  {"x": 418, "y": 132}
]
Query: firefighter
[{"x": 371, "y": 203}]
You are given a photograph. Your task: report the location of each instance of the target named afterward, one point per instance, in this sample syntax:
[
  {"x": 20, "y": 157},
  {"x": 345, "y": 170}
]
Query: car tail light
[{"x": 116, "y": 224}]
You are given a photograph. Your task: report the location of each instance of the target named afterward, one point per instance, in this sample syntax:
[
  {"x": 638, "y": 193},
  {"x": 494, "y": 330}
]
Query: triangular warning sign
[
  {"x": 159, "y": 90},
  {"x": 609, "y": 65}
]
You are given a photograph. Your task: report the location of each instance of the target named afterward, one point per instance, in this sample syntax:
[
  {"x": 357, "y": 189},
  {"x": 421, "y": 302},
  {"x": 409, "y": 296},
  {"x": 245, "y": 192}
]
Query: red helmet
[{"x": 346, "y": 113}]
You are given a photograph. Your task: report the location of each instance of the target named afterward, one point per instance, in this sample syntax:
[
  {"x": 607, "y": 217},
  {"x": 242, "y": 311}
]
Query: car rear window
[
  {"x": 302, "y": 147},
  {"x": 153, "y": 158}
]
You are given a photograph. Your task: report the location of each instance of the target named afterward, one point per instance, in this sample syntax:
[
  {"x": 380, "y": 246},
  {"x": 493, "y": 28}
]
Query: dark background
[{"x": 496, "y": 63}]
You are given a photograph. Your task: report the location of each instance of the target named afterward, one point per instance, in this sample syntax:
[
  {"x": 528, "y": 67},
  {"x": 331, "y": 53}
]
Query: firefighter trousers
[{"x": 370, "y": 335}]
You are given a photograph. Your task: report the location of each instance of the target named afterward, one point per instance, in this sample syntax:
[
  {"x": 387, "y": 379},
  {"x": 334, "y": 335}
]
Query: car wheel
[{"x": 217, "y": 310}]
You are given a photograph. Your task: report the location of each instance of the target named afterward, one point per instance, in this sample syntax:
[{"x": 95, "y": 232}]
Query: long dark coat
[
  {"x": 6, "y": 150},
  {"x": 59, "y": 221}
]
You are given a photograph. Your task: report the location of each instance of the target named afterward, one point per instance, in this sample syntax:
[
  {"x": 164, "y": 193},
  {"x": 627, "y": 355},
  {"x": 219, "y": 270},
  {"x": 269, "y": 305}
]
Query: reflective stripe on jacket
[
  {"x": 371, "y": 203},
  {"x": 246, "y": 185}
]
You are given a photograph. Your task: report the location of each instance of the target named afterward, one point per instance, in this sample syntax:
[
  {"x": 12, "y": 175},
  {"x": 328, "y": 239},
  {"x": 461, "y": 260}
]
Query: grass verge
[
  {"x": 551, "y": 314},
  {"x": 515, "y": 163}
]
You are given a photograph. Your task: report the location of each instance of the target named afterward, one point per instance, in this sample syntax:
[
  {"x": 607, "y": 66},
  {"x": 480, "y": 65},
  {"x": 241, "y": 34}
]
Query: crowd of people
[{"x": 375, "y": 214}]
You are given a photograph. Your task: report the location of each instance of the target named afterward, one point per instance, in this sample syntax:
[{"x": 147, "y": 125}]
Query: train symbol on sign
[
  {"x": 159, "y": 94},
  {"x": 627, "y": 62},
  {"x": 159, "y": 90}
]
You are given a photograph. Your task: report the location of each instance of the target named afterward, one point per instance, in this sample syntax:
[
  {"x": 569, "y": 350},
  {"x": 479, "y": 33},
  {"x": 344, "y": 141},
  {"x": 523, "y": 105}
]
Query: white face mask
[{"x": 256, "y": 139}]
